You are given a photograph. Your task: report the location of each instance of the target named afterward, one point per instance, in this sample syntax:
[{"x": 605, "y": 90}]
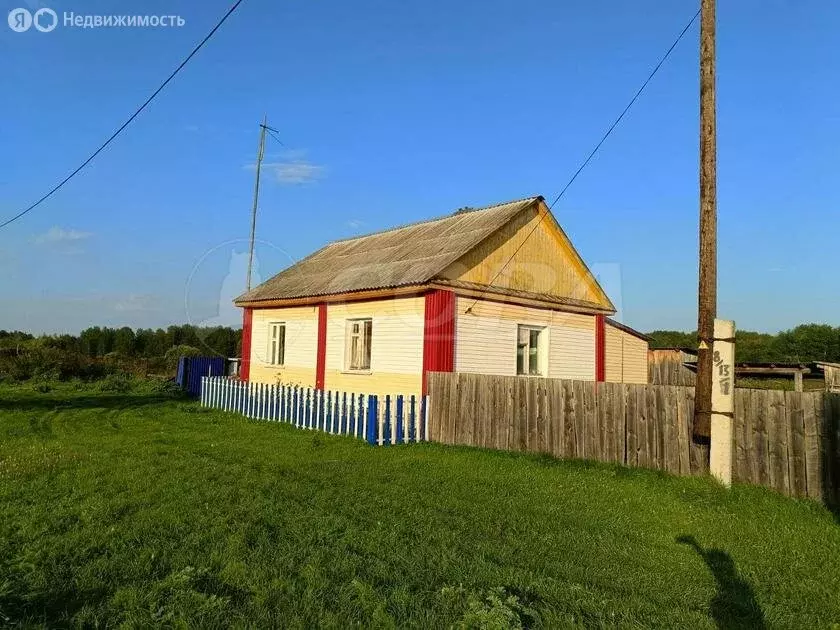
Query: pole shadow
[{"x": 734, "y": 605}]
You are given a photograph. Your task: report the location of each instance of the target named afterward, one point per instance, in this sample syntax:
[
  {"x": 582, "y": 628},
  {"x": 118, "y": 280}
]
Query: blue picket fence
[
  {"x": 379, "y": 420},
  {"x": 192, "y": 369}
]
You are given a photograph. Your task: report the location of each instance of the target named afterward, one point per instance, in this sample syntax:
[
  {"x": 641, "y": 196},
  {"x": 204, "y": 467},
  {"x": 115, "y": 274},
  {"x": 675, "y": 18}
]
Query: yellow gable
[{"x": 531, "y": 253}]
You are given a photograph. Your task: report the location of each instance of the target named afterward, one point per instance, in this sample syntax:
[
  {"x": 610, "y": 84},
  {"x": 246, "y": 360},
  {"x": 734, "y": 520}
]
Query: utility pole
[
  {"x": 260, "y": 155},
  {"x": 707, "y": 294}
]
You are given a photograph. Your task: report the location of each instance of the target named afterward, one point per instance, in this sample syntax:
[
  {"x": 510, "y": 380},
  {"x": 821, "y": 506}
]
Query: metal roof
[
  {"x": 627, "y": 329},
  {"x": 408, "y": 255}
]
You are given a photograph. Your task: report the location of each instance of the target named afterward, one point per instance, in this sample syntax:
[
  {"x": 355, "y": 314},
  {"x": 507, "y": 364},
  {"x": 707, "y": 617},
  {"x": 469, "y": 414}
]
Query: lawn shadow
[
  {"x": 35, "y": 402},
  {"x": 734, "y": 604}
]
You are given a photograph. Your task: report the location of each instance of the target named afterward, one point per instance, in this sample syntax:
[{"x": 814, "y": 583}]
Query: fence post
[
  {"x": 360, "y": 417},
  {"x": 399, "y": 438},
  {"x": 723, "y": 401},
  {"x": 371, "y": 419},
  {"x": 412, "y": 419},
  {"x": 253, "y": 401}
]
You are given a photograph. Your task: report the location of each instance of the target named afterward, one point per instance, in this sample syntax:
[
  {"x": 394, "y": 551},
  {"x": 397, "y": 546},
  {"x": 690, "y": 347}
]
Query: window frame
[
  {"x": 278, "y": 358},
  {"x": 540, "y": 350},
  {"x": 366, "y": 336}
]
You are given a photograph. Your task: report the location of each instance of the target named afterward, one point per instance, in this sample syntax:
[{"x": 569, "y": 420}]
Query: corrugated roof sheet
[{"x": 407, "y": 255}]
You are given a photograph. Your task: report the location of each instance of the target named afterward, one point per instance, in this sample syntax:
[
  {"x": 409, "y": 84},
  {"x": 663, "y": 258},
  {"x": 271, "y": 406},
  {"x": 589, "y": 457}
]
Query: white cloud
[
  {"x": 296, "y": 172},
  {"x": 57, "y": 235},
  {"x": 292, "y": 167},
  {"x": 136, "y": 302},
  {"x": 355, "y": 223}
]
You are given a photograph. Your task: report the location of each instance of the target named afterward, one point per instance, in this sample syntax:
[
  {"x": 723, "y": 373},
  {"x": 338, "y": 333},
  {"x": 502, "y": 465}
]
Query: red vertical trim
[
  {"x": 600, "y": 349},
  {"x": 438, "y": 333},
  {"x": 245, "y": 368},
  {"x": 321, "y": 356}
]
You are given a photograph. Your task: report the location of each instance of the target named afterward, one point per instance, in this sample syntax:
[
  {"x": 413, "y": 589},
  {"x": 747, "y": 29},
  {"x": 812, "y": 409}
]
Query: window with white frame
[
  {"x": 357, "y": 344},
  {"x": 277, "y": 343},
  {"x": 530, "y": 351}
]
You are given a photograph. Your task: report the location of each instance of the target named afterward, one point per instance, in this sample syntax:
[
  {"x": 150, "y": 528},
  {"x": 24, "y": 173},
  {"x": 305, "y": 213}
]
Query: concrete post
[{"x": 723, "y": 401}]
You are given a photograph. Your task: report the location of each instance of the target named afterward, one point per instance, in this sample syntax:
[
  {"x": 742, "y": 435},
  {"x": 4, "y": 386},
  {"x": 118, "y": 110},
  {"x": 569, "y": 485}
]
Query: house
[{"x": 497, "y": 290}]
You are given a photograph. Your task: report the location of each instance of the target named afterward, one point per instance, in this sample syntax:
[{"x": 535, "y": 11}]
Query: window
[
  {"x": 277, "y": 343},
  {"x": 530, "y": 351},
  {"x": 357, "y": 344}
]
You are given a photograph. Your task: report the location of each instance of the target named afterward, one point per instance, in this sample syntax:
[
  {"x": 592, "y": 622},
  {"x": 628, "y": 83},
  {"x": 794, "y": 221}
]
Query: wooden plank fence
[
  {"x": 788, "y": 441},
  {"x": 379, "y": 420},
  {"x": 668, "y": 368}
]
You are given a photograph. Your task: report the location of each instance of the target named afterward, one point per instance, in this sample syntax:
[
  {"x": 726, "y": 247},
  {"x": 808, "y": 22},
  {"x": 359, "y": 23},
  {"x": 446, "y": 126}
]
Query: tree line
[
  {"x": 804, "y": 344},
  {"x": 98, "y": 351}
]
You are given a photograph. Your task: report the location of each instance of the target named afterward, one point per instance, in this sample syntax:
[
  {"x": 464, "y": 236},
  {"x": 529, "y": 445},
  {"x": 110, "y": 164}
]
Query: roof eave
[{"x": 332, "y": 298}]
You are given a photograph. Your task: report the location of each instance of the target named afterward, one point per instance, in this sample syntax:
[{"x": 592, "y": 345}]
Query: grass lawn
[{"x": 141, "y": 510}]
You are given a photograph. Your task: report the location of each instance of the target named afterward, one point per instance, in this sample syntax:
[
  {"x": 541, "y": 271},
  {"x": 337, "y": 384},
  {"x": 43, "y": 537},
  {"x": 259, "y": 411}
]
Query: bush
[
  {"x": 176, "y": 352},
  {"x": 118, "y": 383}
]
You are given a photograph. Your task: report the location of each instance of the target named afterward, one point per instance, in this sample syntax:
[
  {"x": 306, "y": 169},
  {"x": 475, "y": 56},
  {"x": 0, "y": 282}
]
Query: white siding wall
[
  {"x": 485, "y": 339},
  {"x": 301, "y": 335},
  {"x": 572, "y": 352},
  {"x": 396, "y": 336}
]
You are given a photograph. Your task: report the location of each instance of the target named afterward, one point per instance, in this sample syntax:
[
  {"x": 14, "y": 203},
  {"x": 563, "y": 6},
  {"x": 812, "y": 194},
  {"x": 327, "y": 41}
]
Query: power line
[
  {"x": 127, "y": 122},
  {"x": 597, "y": 146}
]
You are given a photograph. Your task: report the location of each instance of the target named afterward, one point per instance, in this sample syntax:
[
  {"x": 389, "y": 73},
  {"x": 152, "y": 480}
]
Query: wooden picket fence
[
  {"x": 379, "y": 420},
  {"x": 789, "y": 441}
]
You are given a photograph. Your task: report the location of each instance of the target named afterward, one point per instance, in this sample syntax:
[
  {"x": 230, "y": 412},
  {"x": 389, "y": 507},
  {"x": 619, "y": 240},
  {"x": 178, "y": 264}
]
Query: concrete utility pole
[
  {"x": 707, "y": 295},
  {"x": 260, "y": 155}
]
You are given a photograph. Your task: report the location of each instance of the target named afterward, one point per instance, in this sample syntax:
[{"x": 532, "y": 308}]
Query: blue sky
[{"x": 398, "y": 111}]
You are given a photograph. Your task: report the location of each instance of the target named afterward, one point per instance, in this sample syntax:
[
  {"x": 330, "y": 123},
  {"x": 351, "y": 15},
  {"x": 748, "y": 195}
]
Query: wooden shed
[{"x": 497, "y": 290}]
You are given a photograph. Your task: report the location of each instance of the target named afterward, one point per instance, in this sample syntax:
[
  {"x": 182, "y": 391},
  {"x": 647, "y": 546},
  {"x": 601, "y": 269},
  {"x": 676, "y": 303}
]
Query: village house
[{"x": 496, "y": 290}]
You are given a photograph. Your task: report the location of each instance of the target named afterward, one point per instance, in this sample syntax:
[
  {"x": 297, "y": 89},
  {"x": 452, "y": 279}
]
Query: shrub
[
  {"x": 42, "y": 388},
  {"x": 117, "y": 383},
  {"x": 176, "y": 352}
]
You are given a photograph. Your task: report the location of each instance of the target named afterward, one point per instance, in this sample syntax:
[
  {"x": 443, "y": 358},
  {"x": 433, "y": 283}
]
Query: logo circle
[
  {"x": 36, "y": 20},
  {"x": 20, "y": 20}
]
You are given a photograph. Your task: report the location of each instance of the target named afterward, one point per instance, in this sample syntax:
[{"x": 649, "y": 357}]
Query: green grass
[
  {"x": 137, "y": 509},
  {"x": 808, "y": 384}
]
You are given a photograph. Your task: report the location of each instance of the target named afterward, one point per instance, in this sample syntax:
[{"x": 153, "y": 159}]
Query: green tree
[
  {"x": 672, "y": 339},
  {"x": 124, "y": 342}
]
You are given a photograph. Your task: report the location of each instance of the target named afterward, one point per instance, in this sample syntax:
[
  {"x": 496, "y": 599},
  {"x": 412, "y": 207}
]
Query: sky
[{"x": 393, "y": 112}]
